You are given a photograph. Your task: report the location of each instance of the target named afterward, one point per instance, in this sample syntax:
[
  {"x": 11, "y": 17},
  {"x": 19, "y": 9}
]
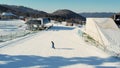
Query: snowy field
[{"x": 71, "y": 52}]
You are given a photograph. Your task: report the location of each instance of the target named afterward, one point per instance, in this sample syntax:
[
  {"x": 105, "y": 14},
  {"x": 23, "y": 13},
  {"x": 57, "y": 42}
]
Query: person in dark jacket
[{"x": 53, "y": 45}]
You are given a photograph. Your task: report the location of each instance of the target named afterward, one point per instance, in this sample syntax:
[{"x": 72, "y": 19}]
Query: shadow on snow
[
  {"x": 24, "y": 61},
  {"x": 65, "y": 48}
]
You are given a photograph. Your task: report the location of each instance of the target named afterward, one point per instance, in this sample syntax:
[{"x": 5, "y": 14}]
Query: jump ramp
[{"x": 104, "y": 31}]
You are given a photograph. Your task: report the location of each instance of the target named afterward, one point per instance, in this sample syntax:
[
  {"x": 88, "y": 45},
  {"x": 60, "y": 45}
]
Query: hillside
[
  {"x": 59, "y": 15},
  {"x": 68, "y": 15},
  {"x": 3, "y": 9},
  {"x": 22, "y": 11}
]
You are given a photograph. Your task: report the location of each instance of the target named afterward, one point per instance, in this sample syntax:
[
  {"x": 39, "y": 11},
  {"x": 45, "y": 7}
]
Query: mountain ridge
[
  {"x": 97, "y": 14},
  {"x": 59, "y": 15}
]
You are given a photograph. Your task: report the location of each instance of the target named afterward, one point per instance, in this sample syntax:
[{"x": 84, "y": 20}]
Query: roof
[{"x": 8, "y": 14}]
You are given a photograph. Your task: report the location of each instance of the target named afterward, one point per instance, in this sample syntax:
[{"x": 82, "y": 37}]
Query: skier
[{"x": 53, "y": 45}]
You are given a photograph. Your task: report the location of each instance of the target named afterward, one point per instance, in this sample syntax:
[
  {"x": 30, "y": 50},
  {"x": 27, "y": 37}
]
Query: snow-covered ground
[
  {"x": 71, "y": 52},
  {"x": 10, "y": 29}
]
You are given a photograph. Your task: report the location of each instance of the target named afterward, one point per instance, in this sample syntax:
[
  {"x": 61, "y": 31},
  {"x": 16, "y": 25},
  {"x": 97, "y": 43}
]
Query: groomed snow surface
[{"x": 71, "y": 52}]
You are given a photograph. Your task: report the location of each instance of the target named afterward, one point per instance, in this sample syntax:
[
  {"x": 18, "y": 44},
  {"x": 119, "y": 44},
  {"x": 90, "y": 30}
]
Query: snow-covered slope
[
  {"x": 71, "y": 52},
  {"x": 105, "y": 32}
]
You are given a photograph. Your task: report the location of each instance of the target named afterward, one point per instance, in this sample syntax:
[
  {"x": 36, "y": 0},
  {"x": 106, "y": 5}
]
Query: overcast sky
[{"x": 74, "y": 5}]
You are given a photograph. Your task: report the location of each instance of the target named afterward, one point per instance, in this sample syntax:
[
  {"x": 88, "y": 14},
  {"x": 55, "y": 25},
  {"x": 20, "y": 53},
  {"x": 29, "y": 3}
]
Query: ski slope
[{"x": 71, "y": 52}]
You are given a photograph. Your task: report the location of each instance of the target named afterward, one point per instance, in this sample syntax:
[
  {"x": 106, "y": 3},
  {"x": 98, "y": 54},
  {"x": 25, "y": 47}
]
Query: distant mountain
[
  {"x": 68, "y": 15},
  {"x": 103, "y": 14}
]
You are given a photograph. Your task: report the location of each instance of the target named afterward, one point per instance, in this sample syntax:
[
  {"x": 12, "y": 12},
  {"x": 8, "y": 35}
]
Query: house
[
  {"x": 64, "y": 23},
  {"x": 8, "y": 15},
  {"x": 69, "y": 24}
]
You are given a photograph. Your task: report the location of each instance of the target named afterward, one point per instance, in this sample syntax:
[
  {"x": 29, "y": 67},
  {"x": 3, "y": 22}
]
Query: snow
[
  {"x": 106, "y": 32},
  {"x": 71, "y": 51},
  {"x": 12, "y": 22},
  {"x": 10, "y": 29},
  {"x": 7, "y": 14}
]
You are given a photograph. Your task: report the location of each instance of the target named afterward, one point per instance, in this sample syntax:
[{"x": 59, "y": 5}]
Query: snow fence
[
  {"x": 11, "y": 29},
  {"x": 5, "y": 36}
]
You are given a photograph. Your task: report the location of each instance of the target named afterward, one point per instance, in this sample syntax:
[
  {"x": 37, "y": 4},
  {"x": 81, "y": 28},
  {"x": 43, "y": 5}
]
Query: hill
[
  {"x": 68, "y": 15},
  {"x": 22, "y": 11}
]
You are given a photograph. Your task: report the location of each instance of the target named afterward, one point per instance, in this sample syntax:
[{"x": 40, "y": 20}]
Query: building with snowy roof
[{"x": 8, "y": 15}]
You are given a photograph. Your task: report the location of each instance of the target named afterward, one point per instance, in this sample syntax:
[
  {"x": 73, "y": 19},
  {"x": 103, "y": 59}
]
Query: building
[{"x": 8, "y": 15}]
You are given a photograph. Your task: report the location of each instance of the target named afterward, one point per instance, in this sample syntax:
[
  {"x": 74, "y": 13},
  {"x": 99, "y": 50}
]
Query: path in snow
[{"x": 71, "y": 52}]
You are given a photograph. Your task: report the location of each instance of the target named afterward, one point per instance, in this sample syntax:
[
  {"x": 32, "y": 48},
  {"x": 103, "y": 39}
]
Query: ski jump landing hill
[{"x": 104, "y": 31}]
